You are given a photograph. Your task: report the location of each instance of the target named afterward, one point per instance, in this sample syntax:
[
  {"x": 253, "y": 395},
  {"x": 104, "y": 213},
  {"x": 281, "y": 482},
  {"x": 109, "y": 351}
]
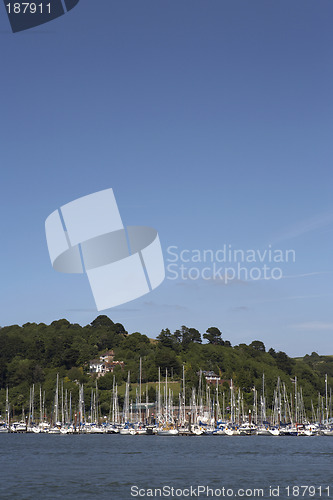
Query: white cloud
[
  {"x": 239, "y": 309},
  {"x": 314, "y": 326},
  {"x": 306, "y": 226},
  {"x": 176, "y": 307},
  {"x": 305, "y": 275}
]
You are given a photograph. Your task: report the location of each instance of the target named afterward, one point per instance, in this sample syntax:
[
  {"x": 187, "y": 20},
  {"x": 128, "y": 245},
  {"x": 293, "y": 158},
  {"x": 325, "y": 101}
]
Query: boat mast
[
  {"x": 140, "y": 412},
  {"x": 56, "y": 401},
  {"x": 7, "y": 407},
  {"x": 326, "y": 395},
  {"x": 183, "y": 398}
]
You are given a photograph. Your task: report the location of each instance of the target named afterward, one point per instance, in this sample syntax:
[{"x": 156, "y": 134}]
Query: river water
[{"x": 41, "y": 466}]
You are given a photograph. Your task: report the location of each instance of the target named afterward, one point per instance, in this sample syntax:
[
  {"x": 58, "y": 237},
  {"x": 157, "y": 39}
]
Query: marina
[{"x": 206, "y": 412}]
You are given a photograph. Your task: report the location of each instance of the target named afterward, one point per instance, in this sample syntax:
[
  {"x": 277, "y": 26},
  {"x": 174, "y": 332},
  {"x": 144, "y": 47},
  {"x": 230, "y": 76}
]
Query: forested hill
[{"x": 35, "y": 353}]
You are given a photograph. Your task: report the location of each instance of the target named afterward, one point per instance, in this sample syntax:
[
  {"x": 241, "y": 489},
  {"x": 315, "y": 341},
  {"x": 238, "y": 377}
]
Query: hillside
[{"x": 35, "y": 353}]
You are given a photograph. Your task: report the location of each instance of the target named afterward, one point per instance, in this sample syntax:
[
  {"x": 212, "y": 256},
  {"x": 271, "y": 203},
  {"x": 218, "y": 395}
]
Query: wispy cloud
[
  {"x": 227, "y": 281},
  {"x": 212, "y": 282},
  {"x": 314, "y": 326},
  {"x": 82, "y": 310},
  {"x": 123, "y": 309},
  {"x": 290, "y": 276},
  {"x": 187, "y": 283},
  {"x": 306, "y": 226},
  {"x": 306, "y": 275},
  {"x": 221, "y": 282},
  {"x": 176, "y": 307},
  {"x": 113, "y": 309},
  {"x": 239, "y": 309},
  {"x": 289, "y": 297}
]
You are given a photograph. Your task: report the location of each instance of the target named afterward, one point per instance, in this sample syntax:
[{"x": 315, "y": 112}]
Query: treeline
[{"x": 35, "y": 353}]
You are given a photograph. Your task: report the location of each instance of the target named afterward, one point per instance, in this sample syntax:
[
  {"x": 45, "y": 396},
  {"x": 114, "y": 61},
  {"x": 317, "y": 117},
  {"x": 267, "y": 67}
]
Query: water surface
[{"x": 41, "y": 466}]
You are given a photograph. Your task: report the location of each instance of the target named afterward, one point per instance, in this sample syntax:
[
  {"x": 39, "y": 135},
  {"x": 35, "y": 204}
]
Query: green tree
[
  {"x": 167, "y": 359},
  {"x": 258, "y": 346},
  {"x": 213, "y": 335},
  {"x": 167, "y": 339},
  {"x": 284, "y": 362},
  {"x": 60, "y": 324},
  {"x": 102, "y": 321},
  {"x": 185, "y": 336},
  {"x": 20, "y": 370}
]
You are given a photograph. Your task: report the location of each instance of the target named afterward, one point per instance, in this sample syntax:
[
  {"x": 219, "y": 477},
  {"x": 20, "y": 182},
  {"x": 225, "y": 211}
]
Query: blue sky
[{"x": 212, "y": 122}]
